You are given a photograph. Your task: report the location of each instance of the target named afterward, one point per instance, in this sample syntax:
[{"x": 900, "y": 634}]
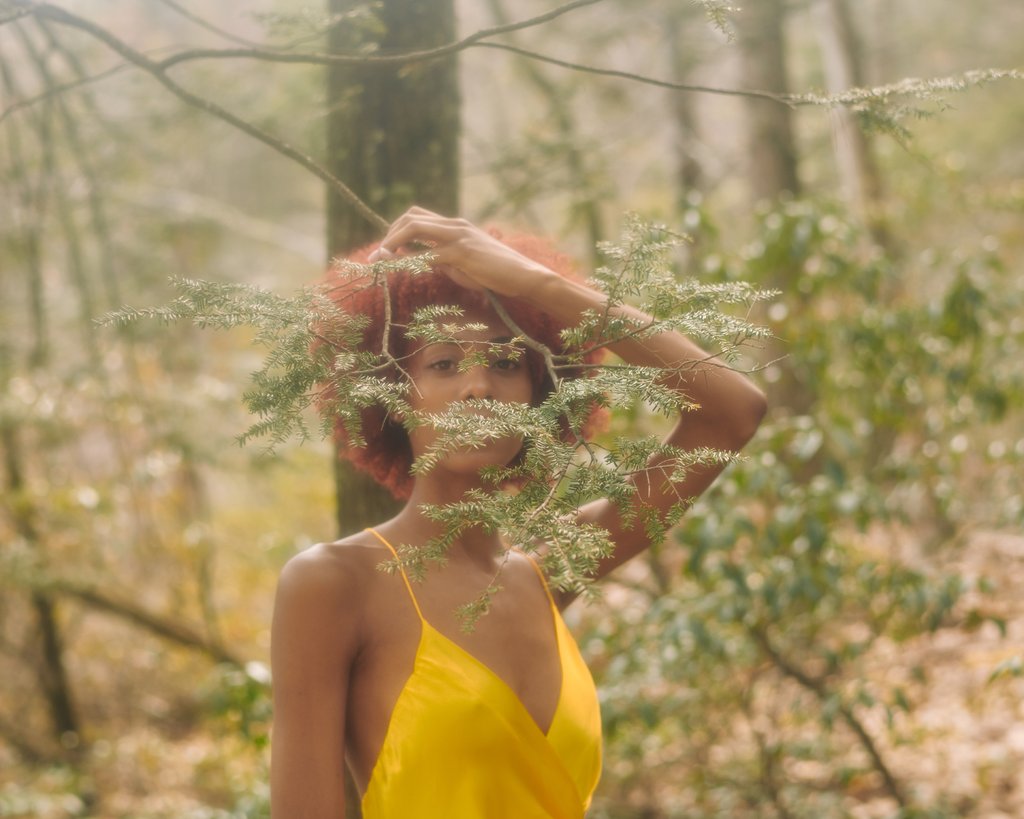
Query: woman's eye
[
  {"x": 442, "y": 365},
  {"x": 506, "y": 364}
]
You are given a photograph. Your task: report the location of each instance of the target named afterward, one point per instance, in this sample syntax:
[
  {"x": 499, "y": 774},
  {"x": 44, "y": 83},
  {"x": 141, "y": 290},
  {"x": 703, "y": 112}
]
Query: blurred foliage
[{"x": 738, "y": 670}]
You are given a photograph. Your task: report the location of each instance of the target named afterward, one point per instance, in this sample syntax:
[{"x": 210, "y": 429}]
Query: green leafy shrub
[{"x": 736, "y": 673}]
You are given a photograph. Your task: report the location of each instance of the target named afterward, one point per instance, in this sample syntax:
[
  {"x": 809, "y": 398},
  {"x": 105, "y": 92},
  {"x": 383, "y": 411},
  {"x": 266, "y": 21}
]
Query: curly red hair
[{"x": 387, "y": 455}]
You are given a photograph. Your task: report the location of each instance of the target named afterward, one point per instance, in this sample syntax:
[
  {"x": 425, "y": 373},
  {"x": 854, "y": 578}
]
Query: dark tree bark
[
  {"x": 771, "y": 149},
  {"x": 392, "y": 135},
  {"x": 51, "y": 669},
  {"x": 392, "y": 131}
]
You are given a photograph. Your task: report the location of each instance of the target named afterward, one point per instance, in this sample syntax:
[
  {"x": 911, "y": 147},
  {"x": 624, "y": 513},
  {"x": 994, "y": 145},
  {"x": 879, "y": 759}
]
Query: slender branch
[
  {"x": 83, "y": 158},
  {"x": 372, "y": 59},
  {"x": 564, "y": 559},
  {"x": 818, "y": 687},
  {"x": 199, "y": 21},
  {"x": 17, "y": 15},
  {"x": 533, "y": 344},
  {"x": 57, "y": 90},
  {"x": 24, "y": 744},
  {"x": 785, "y": 99},
  {"x": 148, "y": 620},
  {"x": 390, "y": 360},
  {"x": 47, "y": 137},
  {"x": 65, "y": 18},
  {"x": 768, "y": 762},
  {"x": 850, "y": 98}
]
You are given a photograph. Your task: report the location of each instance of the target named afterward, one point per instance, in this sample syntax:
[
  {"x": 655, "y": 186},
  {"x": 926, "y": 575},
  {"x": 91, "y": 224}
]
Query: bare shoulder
[
  {"x": 331, "y": 580},
  {"x": 345, "y": 562}
]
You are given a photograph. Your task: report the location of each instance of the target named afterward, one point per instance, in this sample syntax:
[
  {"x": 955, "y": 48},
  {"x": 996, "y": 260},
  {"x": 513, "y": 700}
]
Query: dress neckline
[{"x": 425, "y": 624}]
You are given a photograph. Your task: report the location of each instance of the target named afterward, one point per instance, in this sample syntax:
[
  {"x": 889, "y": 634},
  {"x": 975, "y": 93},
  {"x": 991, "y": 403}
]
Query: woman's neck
[{"x": 414, "y": 528}]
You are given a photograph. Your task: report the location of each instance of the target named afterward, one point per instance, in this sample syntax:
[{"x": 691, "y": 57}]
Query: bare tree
[
  {"x": 841, "y": 55},
  {"x": 771, "y": 150},
  {"x": 392, "y": 133},
  {"x": 677, "y": 20}
]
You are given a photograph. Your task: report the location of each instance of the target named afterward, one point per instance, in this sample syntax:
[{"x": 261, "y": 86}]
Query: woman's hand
[{"x": 471, "y": 257}]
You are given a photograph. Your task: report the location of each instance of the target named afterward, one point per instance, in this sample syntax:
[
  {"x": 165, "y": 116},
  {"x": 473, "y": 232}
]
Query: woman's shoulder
[{"x": 337, "y": 574}]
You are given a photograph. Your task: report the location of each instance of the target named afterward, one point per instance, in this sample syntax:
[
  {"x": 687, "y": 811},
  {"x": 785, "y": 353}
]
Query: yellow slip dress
[{"x": 461, "y": 745}]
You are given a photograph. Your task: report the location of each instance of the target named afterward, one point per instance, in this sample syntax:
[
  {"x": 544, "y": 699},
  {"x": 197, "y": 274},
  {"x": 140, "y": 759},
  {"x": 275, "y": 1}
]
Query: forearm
[{"x": 729, "y": 406}]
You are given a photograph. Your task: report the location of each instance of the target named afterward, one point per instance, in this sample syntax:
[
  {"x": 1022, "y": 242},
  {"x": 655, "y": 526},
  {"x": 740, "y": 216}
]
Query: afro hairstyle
[{"x": 386, "y": 455}]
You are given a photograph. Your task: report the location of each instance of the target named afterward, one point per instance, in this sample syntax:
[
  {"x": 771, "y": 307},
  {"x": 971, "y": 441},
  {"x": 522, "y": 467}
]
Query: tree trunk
[
  {"x": 392, "y": 131},
  {"x": 858, "y": 172},
  {"x": 392, "y": 135},
  {"x": 51, "y": 669},
  {"x": 681, "y": 103},
  {"x": 771, "y": 150}
]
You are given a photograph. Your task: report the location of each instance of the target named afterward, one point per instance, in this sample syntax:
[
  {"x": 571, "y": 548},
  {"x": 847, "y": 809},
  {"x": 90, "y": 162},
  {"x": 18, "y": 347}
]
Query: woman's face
[{"x": 501, "y": 374}]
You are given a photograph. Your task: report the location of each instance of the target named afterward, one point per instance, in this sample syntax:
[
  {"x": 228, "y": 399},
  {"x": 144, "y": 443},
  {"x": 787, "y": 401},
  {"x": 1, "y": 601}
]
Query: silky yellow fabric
[{"x": 461, "y": 745}]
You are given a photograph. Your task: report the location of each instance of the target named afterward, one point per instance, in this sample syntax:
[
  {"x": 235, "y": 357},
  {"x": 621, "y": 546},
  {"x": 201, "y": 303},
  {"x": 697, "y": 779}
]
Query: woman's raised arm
[
  {"x": 313, "y": 642},
  {"x": 730, "y": 407}
]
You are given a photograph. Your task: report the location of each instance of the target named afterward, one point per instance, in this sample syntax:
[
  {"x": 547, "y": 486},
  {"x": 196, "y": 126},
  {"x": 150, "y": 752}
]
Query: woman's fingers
[
  {"x": 400, "y": 233},
  {"x": 423, "y": 226},
  {"x": 471, "y": 257}
]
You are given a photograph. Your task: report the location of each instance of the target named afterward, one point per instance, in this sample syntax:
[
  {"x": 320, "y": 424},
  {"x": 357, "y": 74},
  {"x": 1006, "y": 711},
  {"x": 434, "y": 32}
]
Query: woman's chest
[{"x": 423, "y": 655}]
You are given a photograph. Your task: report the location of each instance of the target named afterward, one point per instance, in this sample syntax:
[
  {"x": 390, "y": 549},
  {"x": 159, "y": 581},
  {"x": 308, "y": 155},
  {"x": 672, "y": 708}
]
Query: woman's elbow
[{"x": 748, "y": 416}]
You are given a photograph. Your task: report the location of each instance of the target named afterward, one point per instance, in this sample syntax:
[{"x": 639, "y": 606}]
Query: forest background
[{"x": 836, "y": 630}]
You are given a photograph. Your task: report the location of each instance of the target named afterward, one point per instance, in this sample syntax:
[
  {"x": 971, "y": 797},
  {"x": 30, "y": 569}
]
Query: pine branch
[
  {"x": 318, "y": 359},
  {"x": 882, "y": 107},
  {"x": 718, "y": 13}
]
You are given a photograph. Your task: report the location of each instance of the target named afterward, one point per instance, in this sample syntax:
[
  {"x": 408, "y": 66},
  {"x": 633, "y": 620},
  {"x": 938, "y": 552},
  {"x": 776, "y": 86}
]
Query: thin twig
[
  {"x": 206, "y": 24},
  {"x": 372, "y": 59},
  {"x": 785, "y": 99},
  {"x": 533, "y": 344},
  {"x": 385, "y": 341},
  {"x": 818, "y": 687},
  {"x": 57, "y": 90},
  {"x": 10, "y": 18},
  {"x": 24, "y": 743},
  {"x": 62, "y": 17},
  {"x": 169, "y": 628}
]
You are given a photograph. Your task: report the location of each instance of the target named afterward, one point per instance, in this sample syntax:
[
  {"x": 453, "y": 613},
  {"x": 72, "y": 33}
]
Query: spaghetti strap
[
  {"x": 405, "y": 577},
  {"x": 540, "y": 574}
]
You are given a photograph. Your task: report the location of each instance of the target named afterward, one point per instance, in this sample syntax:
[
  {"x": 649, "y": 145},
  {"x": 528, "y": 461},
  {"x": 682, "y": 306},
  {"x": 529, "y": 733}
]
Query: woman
[{"x": 374, "y": 671}]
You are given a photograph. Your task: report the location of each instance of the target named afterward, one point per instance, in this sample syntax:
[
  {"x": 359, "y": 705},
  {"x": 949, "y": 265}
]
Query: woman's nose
[{"x": 476, "y": 382}]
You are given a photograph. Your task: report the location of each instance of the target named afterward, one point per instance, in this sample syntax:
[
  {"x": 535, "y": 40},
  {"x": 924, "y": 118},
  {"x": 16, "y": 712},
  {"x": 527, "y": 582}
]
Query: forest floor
[
  {"x": 961, "y": 745},
  {"x": 966, "y": 731}
]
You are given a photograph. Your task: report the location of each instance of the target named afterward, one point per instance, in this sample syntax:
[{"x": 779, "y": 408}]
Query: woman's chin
[{"x": 471, "y": 461}]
